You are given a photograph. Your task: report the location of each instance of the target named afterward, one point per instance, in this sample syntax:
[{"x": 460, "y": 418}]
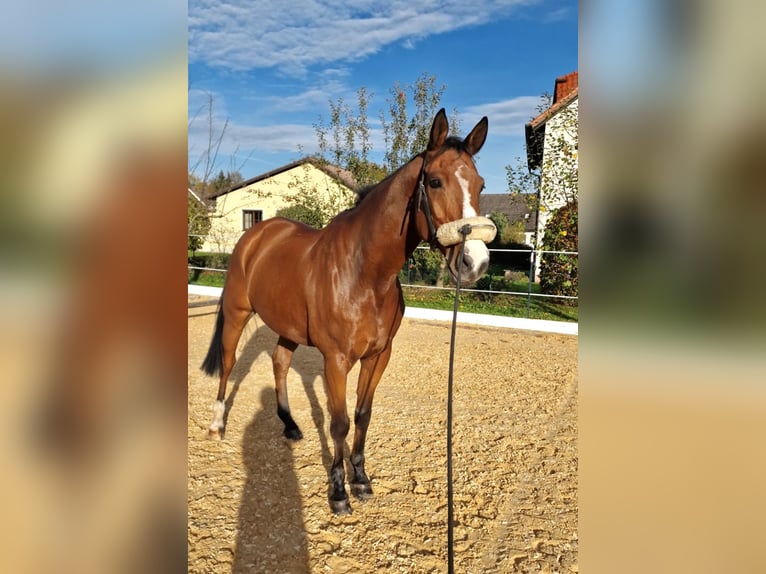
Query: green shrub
[
  {"x": 484, "y": 283},
  {"x": 517, "y": 260},
  {"x": 198, "y": 224},
  {"x": 558, "y": 273},
  {"x": 214, "y": 260},
  {"x": 422, "y": 267},
  {"x": 309, "y": 215}
]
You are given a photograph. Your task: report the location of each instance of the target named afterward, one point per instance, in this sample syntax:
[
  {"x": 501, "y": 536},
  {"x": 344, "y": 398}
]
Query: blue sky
[{"x": 273, "y": 66}]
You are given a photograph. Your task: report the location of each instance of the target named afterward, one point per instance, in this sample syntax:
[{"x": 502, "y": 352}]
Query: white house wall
[{"x": 555, "y": 128}]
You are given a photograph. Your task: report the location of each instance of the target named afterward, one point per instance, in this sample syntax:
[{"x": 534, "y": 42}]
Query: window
[{"x": 250, "y": 217}]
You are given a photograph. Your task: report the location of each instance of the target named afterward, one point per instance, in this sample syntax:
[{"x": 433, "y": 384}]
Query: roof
[
  {"x": 514, "y": 206},
  {"x": 565, "y": 85},
  {"x": 195, "y": 197},
  {"x": 342, "y": 175},
  {"x": 565, "y": 91}
]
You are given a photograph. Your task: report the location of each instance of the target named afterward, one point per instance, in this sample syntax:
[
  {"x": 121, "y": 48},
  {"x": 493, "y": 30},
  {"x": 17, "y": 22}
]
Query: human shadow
[
  {"x": 271, "y": 536},
  {"x": 307, "y": 362}
]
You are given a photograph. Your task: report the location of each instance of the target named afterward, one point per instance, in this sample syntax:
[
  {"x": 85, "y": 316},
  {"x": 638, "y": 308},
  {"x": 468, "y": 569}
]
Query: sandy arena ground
[{"x": 258, "y": 502}]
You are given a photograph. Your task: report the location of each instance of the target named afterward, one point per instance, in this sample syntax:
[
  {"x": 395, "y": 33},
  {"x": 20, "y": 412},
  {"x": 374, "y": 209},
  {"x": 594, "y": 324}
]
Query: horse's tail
[{"x": 213, "y": 363}]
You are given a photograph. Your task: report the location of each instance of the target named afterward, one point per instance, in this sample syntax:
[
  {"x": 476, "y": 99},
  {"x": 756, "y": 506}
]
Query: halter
[{"x": 425, "y": 203}]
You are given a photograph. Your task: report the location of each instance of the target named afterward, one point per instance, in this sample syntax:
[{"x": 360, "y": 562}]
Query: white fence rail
[{"x": 529, "y": 274}]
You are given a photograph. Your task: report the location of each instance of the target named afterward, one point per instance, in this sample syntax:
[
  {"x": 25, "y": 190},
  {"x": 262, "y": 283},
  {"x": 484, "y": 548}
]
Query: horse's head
[{"x": 448, "y": 198}]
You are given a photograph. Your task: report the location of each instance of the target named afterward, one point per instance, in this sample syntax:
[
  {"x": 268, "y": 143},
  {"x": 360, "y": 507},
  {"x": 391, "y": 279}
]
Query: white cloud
[
  {"x": 312, "y": 97},
  {"x": 283, "y": 137},
  {"x": 506, "y": 117},
  {"x": 241, "y": 137},
  {"x": 558, "y": 15},
  {"x": 244, "y": 35},
  {"x": 251, "y": 149}
]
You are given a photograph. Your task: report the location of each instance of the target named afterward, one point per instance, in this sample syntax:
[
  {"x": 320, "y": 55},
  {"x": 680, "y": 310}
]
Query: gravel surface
[{"x": 258, "y": 502}]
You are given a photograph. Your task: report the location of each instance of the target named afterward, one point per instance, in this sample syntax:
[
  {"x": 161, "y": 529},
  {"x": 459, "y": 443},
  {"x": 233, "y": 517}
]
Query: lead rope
[{"x": 464, "y": 232}]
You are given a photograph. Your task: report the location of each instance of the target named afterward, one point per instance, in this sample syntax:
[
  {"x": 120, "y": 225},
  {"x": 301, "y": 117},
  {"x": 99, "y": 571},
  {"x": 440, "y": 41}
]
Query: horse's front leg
[
  {"x": 369, "y": 375},
  {"x": 336, "y": 371}
]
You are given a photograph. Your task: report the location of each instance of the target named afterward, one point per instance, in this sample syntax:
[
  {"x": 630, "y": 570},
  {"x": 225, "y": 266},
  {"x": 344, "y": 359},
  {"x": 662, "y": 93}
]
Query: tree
[
  {"x": 208, "y": 157},
  {"x": 520, "y": 179},
  {"x": 406, "y": 135},
  {"x": 200, "y": 176},
  {"x": 198, "y": 222},
  {"x": 345, "y": 142},
  {"x": 344, "y": 147},
  {"x": 222, "y": 182}
]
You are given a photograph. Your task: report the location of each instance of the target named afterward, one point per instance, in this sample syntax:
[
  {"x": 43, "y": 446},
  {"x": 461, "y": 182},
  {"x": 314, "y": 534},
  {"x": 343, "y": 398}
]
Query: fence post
[{"x": 530, "y": 280}]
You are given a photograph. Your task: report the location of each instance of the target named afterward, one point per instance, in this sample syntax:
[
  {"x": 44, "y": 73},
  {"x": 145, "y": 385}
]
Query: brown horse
[{"x": 337, "y": 288}]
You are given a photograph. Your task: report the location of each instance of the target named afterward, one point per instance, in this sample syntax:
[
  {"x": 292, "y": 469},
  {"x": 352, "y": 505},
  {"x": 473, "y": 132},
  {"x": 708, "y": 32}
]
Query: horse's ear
[
  {"x": 475, "y": 139},
  {"x": 439, "y": 131}
]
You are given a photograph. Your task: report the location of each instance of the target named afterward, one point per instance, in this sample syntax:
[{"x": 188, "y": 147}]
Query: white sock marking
[{"x": 218, "y": 409}]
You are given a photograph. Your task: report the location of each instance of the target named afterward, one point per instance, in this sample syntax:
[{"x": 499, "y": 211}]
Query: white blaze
[
  {"x": 468, "y": 210},
  {"x": 476, "y": 251}
]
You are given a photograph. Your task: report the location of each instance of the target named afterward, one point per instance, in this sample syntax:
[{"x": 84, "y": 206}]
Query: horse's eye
[{"x": 434, "y": 182}]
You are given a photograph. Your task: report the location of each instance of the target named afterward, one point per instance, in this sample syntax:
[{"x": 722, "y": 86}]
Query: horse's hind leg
[
  {"x": 233, "y": 325},
  {"x": 369, "y": 375},
  {"x": 283, "y": 354}
]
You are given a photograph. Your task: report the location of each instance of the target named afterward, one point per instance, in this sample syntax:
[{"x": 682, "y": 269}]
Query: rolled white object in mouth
[{"x": 482, "y": 229}]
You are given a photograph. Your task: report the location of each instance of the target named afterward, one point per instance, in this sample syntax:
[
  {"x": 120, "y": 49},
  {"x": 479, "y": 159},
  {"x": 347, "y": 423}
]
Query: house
[
  {"x": 552, "y": 142},
  {"x": 260, "y": 197},
  {"x": 517, "y": 208}
]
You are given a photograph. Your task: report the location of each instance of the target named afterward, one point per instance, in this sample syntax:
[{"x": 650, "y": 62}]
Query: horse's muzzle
[
  {"x": 473, "y": 264},
  {"x": 475, "y": 260}
]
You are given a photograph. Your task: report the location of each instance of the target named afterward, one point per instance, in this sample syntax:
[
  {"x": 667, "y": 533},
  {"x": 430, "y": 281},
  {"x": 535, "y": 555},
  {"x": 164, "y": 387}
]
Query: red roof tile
[{"x": 565, "y": 85}]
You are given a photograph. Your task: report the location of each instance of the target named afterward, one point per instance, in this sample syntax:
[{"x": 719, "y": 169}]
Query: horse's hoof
[
  {"x": 361, "y": 490},
  {"x": 213, "y": 434},
  {"x": 293, "y": 434},
  {"x": 340, "y": 507}
]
